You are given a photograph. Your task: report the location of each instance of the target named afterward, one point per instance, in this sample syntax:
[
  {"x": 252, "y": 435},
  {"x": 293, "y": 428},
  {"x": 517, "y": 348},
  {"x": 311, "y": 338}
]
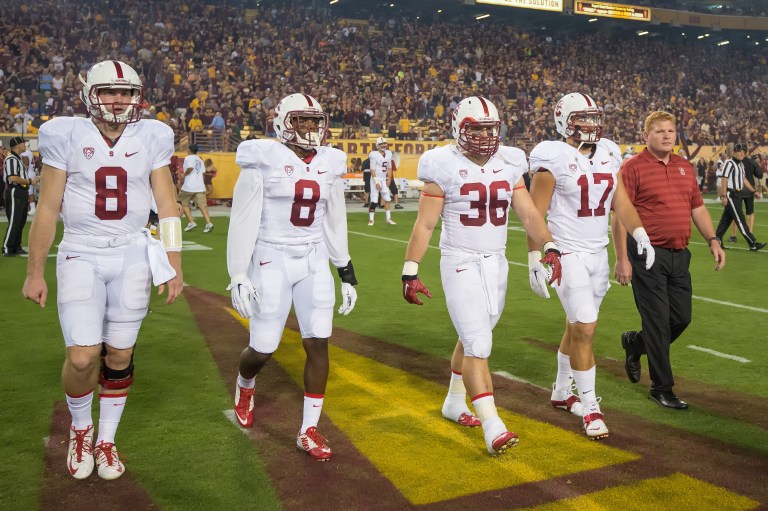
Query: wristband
[
  {"x": 170, "y": 233},
  {"x": 410, "y": 268},
  {"x": 347, "y": 274},
  {"x": 550, "y": 247},
  {"x": 713, "y": 238}
]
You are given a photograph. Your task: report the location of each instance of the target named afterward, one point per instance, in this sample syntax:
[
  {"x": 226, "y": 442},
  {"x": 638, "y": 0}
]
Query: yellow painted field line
[
  {"x": 393, "y": 418},
  {"x": 677, "y": 491}
]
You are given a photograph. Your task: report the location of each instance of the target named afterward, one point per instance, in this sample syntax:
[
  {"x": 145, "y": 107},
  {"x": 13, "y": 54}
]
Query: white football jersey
[
  {"x": 584, "y": 188},
  {"x": 31, "y": 171},
  {"x": 295, "y": 192},
  {"x": 477, "y": 199},
  {"x": 380, "y": 163},
  {"x": 107, "y": 192}
]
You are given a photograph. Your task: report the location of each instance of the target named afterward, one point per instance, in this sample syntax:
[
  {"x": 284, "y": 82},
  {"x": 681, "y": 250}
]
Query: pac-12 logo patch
[
  {"x": 88, "y": 152},
  {"x": 288, "y": 170},
  {"x": 682, "y": 171},
  {"x": 463, "y": 173},
  {"x": 572, "y": 168}
]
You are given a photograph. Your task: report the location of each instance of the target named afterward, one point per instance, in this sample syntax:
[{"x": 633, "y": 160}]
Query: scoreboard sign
[{"x": 609, "y": 10}]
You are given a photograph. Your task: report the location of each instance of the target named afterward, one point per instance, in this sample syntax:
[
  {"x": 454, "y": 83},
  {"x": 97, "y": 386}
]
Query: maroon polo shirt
[{"x": 664, "y": 196}]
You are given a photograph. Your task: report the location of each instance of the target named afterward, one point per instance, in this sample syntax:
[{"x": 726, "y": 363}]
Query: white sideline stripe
[
  {"x": 230, "y": 415},
  {"x": 720, "y": 354},
  {"x": 510, "y": 376},
  {"x": 513, "y": 263}
]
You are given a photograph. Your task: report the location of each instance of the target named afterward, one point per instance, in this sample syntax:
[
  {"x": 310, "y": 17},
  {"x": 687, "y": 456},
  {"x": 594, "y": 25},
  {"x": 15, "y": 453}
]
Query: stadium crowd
[{"x": 224, "y": 67}]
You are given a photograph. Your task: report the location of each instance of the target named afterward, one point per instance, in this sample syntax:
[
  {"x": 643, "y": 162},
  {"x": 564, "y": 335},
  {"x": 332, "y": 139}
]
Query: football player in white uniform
[
  {"x": 288, "y": 220},
  {"x": 471, "y": 185},
  {"x": 576, "y": 183},
  {"x": 100, "y": 174},
  {"x": 28, "y": 158},
  {"x": 381, "y": 176}
]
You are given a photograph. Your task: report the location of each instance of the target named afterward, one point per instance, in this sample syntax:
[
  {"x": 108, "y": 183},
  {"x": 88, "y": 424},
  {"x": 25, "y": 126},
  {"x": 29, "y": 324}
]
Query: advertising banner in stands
[
  {"x": 609, "y": 10},
  {"x": 540, "y": 5}
]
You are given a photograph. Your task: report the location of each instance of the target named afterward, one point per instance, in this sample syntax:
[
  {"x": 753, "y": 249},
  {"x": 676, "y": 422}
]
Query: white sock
[
  {"x": 80, "y": 408},
  {"x": 564, "y": 372},
  {"x": 246, "y": 383},
  {"x": 389, "y": 214},
  {"x": 111, "y": 409},
  {"x": 585, "y": 382},
  {"x": 485, "y": 408},
  {"x": 313, "y": 405},
  {"x": 370, "y": 216},
  {"x": 456, "y": 400}
]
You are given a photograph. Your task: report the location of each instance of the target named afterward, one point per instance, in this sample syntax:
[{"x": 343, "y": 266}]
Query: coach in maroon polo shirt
[{"x": 663, "y": 188}]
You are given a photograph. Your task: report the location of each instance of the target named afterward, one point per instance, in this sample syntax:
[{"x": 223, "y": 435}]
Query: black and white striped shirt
[
  {"x": 733, "y": 171},
  {"x": 13, "y": 166}
]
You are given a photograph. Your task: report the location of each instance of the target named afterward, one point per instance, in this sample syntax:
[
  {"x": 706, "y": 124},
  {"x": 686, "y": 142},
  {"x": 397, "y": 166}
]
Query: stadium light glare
[
  {"x": 482, "y": 16},
  {"x": 439, "y": 11},
  {"x": 592, "y": 20},
  {"x": 723, "y": 43},
  {"x": 334, "y": 2},
  {"x": 700, "y": 37},
  {"x": 642, "y": 32}
]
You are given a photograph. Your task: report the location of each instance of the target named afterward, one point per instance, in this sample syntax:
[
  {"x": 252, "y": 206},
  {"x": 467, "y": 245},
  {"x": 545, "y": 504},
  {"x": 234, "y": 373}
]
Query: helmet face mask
[
  {"x": 578, "y": 117},
  {"x": 300, "y": 121},
  {"x": 476, "y": 126},
  {"x": 113, "y": 93}
]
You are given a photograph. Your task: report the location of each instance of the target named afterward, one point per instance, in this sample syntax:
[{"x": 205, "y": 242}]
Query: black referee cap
[
  {"x": 739, "y": 147},
  {"x": 16, "y": 141}
]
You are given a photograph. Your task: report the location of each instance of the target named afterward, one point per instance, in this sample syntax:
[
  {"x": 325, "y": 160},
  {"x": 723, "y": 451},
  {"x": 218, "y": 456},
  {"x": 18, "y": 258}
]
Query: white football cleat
[
  {"x": 80, "y": 453},
  {"x": 314, "y": 444},
  {"x": 391, "y": 222},
  {"x": 108, "y": 461},
  {"x": 208, "y": 228},
  {"x": 594, "y": 425},
  {"x": 370, "y": 222},
  {"x": 190, "y": 226},
  {"x": 566, "y": 400}
]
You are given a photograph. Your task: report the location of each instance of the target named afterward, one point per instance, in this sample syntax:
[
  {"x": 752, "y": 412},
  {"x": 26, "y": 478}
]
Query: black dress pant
[
  {"x": 734, "y": 212},
  {"x": 663, "y": 296},
  {"x": 16, "y": 204}
]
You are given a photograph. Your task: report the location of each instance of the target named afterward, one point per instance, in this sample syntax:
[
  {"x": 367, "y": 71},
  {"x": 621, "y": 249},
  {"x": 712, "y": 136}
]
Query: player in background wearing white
[
  {"x": 194, "y": 188},
  {"x": 28, "y": 158},
  {"x": 577, "y": 183},
  {"x": 381, "y": 176},
  {"x": 100, "y": 175},
  {"x": 629, "y": 153},
  {"x": 471, "y": 186},
  {"x": 288, "y": 220}
]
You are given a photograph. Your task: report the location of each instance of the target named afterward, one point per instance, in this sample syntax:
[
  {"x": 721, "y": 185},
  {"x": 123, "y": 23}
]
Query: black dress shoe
[
  {"x": 21, "y": 251},
  {"x": 10, "y": 254},
  {"x": 398, "y": 206},
  {"x": 668, "y": 399},
  {"x": 632, "y": 361},
  {"x": 757, "y": 246}
]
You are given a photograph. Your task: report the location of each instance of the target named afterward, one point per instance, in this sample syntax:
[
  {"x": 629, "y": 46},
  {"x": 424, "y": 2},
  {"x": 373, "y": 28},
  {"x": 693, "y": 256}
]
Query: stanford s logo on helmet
[
  {"x": 290, "y": 111},
  {"x": 381, "y": 141},
  {"x": 577, "y": 116},
  {"x": 112, "y": 74},
  {"x": 476, "y": 126}
]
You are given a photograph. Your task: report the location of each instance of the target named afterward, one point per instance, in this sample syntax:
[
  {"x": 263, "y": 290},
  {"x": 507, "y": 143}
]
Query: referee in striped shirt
[
  {"x": 731, "y": 185},
  {"x": 17, "y": 185}
]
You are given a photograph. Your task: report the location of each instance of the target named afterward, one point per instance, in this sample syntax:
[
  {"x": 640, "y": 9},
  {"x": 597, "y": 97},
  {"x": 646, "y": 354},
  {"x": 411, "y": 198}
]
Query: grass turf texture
[{"x": 187, "y": 456}]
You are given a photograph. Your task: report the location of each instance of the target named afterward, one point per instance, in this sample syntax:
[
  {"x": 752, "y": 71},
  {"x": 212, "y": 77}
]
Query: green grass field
[{"x": 174, "y": 431}]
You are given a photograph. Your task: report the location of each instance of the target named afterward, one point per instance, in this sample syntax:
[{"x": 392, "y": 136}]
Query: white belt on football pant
[
  {"x": 489, "y": 274},
  {"x": 295, "y": 251},
  {"x": 102, "y": 241}
]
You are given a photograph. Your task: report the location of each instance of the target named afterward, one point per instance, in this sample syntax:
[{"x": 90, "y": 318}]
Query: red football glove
[
  {"x": 412, "y": 286},
  {"x": 552, "y": 258}
]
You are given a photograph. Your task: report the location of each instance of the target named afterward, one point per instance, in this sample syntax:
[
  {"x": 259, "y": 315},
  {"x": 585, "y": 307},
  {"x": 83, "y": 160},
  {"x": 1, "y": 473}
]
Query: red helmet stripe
[
  {"x": 118, "y": 68},
  {"x": 485, "y": 106},
  {"x": 309, "y": 100},
  {"x": 586, "y": 98}
]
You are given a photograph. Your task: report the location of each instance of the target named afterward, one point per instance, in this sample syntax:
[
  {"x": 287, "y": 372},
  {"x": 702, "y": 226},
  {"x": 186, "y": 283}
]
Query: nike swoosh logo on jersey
[
  {"x": 486, "y": 256},
  {"x": 603, "y": 163},
  {"x": 323, "y": 172},
  {"x": 72, "y": 257},
  {"x": 459, "y": 270},
  {"x": 131, "y": 154},
  {"x": 496, "y": 171},
  {"x": 262, "y": 263}
]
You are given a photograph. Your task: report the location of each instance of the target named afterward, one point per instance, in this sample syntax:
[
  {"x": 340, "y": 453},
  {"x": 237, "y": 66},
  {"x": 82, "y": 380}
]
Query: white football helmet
[
  {"x": 112, "y": 74},
  {"x": 381, "y": 141},
  {"x": 288, "y": 113},
  {"x": 577, "y": 116},
  {"x": 473, "y": 114}
]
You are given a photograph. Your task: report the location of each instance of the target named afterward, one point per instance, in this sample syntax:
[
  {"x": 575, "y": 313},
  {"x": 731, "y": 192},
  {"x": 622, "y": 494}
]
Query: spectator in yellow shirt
[{"x": 195, "y": 124}]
